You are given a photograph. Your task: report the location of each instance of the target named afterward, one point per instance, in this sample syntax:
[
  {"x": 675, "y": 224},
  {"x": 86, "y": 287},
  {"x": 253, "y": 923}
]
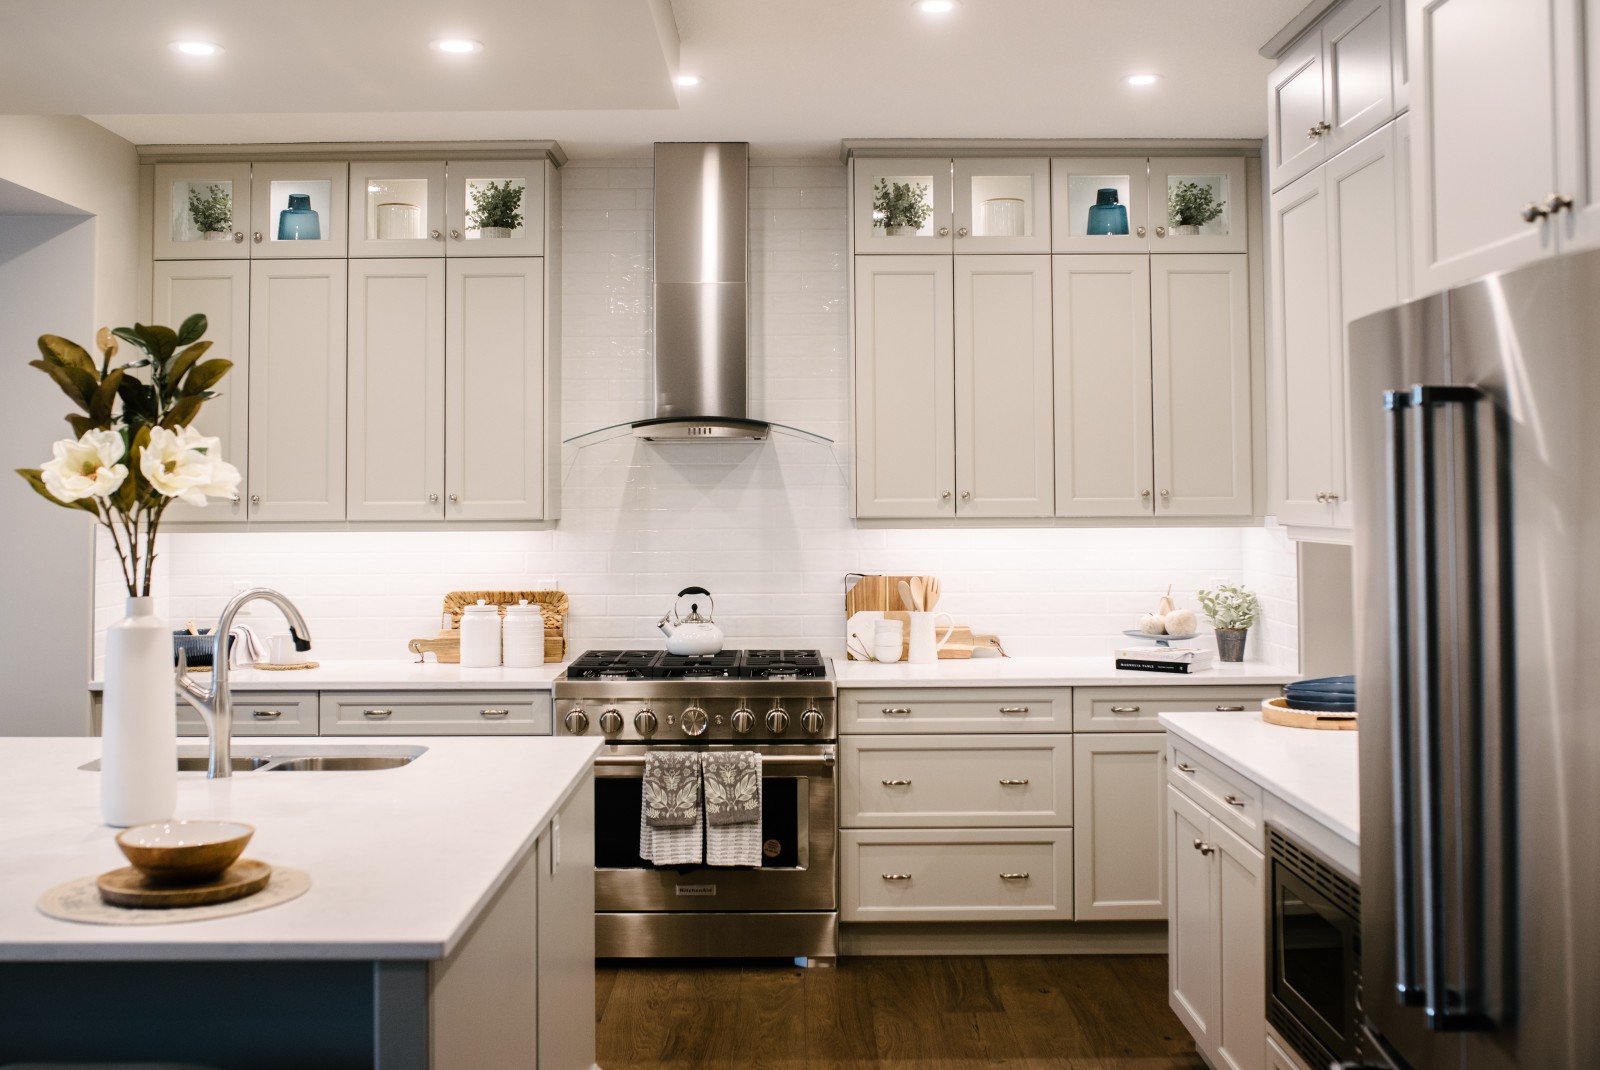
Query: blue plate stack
[{"x": 1328, "y": 694}]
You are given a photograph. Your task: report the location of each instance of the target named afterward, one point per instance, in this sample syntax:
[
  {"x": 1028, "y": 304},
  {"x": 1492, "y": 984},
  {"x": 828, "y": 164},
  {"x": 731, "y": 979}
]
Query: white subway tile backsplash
[{"x": 765, "y": 527}]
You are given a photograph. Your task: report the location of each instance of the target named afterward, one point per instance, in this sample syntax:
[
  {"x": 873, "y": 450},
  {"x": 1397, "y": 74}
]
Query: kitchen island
[{"x": 449, "y": 921}]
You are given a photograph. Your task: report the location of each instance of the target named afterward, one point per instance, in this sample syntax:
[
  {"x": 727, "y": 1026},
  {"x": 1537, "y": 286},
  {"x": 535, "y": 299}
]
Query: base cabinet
[
  {"x": 956, "y": 874},
  {"x": 566, "y": 936},
  {"x": 1119, "y": 842}
]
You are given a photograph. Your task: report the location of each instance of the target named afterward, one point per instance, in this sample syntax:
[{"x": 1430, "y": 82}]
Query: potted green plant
[
  {"x": 1190, "y": 206},
  {"x": 211, "y": 208},
  {"x": 900, "y": 207},
  {"x": 1232, "y": 610},
  {"x": 496, "y": 209}
]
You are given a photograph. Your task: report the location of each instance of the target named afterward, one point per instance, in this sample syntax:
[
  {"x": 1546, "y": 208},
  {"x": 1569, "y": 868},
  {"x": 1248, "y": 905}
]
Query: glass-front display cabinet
[
  {"x": 397, "y": 208},
  {"x": 298, "y": 210},
  {"x": 1199, "y": 205},
  {"x": 495, "y": 208},
  {"x": 1002, "y": 205},
  {"x": 202, "y": 211},
  {"x": 1100, "y": 204},
  {"x": 903, "y": 206}
]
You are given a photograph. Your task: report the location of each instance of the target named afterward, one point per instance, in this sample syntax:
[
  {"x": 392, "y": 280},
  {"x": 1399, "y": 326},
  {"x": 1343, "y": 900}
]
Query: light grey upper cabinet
[
  {"x": 201, "y": 211},
  {"x": 495, "y": 207},
  {"x": 244, "y": 211},
  {"x": 1002, "y": 205},
  {"x": 1176, "y": 204},
  {"x": 397, "y": 208},
  {"x": 903, "y": 206},
  {"x": 297, "y": 210},
  {"x": 1331, "y": 89}
]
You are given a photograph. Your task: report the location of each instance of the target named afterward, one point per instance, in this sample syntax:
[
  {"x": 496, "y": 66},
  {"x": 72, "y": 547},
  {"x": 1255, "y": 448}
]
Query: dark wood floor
[{"x": 1042, "y": 1013}]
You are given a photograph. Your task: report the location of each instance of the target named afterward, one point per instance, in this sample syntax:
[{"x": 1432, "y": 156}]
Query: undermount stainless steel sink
[{"x": 309, "y": 759}]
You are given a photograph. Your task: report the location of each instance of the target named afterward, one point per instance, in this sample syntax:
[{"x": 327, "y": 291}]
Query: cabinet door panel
[
  {"x": 191, "y": 196},
  {"x": 955, "y": 874},
  {"x": 221, "y": 292},
  {"x": 1002, "y": 206},
  {"x": 905, "y": 387},
  {"x": 468, "y": 187},
  {"x": 1364, "y": 243},
  {"x": 297, "y": 389},
  {"x": 298, "y": 210},
  {"x": 925, "y": 180},
  {"x": 1005, "y": 448},
  {"x": 1175, "y": 183},
  {"x": 1357, "y": 61},
  {"x": 1304, "y": 360},
  {"x": 1294, "y": 106},
  {"x": 1241, "y": 915},
  {"x": 396, "y": 408},
  {"x": 1467, "y": 201},
  {"x": 1200, "y": 332},
  {"x": 494, "y": 389},
  {"x": 1577, "y": 58},
  {"x": 956, "y": 781},
  {"x": 1194, "y": 976},
  {"x": 1119, "y": 784},
  {"x": 566, "y": 935},
  {"x": 397, "y": 208},
  {"x": 1081, "y": 223},
  {"x": 1104, "y": 463}
]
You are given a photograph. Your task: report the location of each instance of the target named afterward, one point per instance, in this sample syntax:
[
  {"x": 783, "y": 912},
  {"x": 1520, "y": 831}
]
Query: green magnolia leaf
[
  {"x": 74, "y": 382},
  {"x": 104, "y": 397},
  {"x": 81, "y": 425},
  {"x": 192, "y": 329},
  {"x": 133, "y": 336},
  {"x": 145, "y": 363},
  {"x": 185, "y": 360},
  {"x": 140, "y": 405},
  {"x": 35, "y": 480},
  {"x": 163, "y": 339},
  {"x": 67, "y": 354},
  {"x": 183, "y": 413},
  {"x": 206, "y": 375}
]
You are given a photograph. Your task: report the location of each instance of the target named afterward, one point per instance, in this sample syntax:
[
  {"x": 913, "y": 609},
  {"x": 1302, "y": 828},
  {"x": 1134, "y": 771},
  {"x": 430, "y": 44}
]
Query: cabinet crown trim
[
  {"x": 356, "y": 150},
  {"x": 881, "y": 147}
]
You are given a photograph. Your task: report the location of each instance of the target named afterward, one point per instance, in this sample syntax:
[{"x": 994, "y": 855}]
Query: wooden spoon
[
  {"x": 905, "y": 596},
  {"x": 918, "y": 592}
]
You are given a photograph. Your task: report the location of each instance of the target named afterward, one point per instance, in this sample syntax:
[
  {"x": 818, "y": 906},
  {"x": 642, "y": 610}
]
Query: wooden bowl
[{"x": 184, "y": 852}]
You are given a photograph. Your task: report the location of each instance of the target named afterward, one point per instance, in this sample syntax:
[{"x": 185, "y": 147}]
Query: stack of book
[{"x": 1187, "y": 659}]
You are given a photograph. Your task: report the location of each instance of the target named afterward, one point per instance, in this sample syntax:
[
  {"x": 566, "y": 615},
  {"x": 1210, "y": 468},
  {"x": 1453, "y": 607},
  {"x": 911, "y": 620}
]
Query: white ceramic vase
[{"x": 138, "y": 730}]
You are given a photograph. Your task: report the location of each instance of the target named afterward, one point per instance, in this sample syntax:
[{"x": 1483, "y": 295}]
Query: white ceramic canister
[
  {"x": 138, "y": 737},
  {"x": 480, "y": 636},
  {"x": 524, "y": 636}
]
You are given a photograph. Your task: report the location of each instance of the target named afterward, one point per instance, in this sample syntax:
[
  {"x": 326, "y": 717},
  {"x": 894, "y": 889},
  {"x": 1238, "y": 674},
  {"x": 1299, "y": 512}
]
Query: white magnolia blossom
[
  {"x": 87, "y": 468},
  {"x": 187, "y": 465}
]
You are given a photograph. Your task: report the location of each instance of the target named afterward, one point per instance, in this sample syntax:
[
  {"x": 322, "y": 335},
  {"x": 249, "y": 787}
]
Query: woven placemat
[
  {"x": 275, "y": 667},
  {"x": 80, "y": 901}
]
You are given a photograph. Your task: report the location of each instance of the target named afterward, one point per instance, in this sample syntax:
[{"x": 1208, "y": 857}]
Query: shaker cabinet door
[
  {"x": 201, "y": 211},
  {"x": 905, "y": 387},
  {"x": 494, "y": 389},
  {"x": 1002, "y": 205},
  {"x": 1104, "y": 463},
  {"x": 1294, "y": 110},
  {"x": 903, "y": 206},
  {"x": 297, "y": 390},
  {"x": 397, "y": 208},
  {"x": 298, "y": 210},
  {"x": 1099, "y": 205},
  {"x": 1194, "y": 969},
  {"x": 495, "y": 207},
  {"x": 1357, "y": 57},
  {"x": 396, "y": 406},
  {"x": 1119, "y": 783},
  {"x": 1242, "y": 951},
  {"x": 1004, "y": 439}
]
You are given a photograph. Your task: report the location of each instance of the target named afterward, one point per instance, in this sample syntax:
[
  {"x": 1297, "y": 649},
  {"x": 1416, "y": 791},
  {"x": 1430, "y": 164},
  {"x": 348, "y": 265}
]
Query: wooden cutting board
[
  {"x": 882, "y": 594},
  {"x": 127, "y": 887}
]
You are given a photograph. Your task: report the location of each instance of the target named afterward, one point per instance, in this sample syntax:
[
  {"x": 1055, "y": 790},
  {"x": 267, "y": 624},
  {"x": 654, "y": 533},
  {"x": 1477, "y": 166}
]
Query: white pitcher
[{"x": 924, "y": 647}]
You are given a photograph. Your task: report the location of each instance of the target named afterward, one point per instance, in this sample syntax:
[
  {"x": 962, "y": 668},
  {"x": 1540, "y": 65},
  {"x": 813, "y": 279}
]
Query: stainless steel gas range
[{"x": 779, "y": 703}]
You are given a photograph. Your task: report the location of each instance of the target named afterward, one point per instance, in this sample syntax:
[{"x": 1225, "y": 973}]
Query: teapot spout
[{"x": 665, "y": 626}]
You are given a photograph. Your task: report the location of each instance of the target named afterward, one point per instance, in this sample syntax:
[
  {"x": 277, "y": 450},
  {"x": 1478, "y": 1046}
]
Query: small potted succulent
[
  {"x": 900, "y": 207},
  {"x": 1190, "y": 206},
  {"x": 211, "y": 208},
  {"x": 496, "y": 209},
  {"x": 1231, "y": 610}
]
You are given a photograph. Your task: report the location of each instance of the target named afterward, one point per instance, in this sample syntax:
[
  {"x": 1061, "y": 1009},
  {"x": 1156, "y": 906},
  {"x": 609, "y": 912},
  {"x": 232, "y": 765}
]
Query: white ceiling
[{"x": 790, "y": 76}]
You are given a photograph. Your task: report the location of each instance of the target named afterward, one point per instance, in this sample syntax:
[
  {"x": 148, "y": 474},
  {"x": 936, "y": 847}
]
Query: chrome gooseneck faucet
[{"x": 215, "y": 704}]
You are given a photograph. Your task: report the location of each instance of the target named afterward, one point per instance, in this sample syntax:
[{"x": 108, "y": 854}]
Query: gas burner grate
[
  {"x": 613, "y": 665},
  {"x": 724, "y": 665},
  {"x": 765, "y": 664}
]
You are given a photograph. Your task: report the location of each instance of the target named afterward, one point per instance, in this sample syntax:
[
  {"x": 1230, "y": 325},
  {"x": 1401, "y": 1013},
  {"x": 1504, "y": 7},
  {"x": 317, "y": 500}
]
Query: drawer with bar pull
[
  {"x": 1138, "y": 709},
  {"x": 260, "y": 713},
  {"x": 1228, "y": 796},
  {"x": 435, "y": 713},
  {"x": 955, "y": 709},
  {"x": 955, "y": 874},
  {"x": 955, "y": 781}
]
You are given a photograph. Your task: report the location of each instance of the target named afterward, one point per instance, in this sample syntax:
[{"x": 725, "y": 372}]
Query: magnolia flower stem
[{"x": 122, "y": 558}]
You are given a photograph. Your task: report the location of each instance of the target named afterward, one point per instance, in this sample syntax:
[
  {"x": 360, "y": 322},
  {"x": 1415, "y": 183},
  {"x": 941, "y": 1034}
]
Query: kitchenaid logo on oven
[{"x": 697, "y": 889}]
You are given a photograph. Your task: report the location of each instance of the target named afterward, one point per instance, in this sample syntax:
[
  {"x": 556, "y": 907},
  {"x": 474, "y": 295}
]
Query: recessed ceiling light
[
  {"x": 456, "y": 46},
  {"x": 688, "y": 80},
  {"x": 196, "y": 48},
  {"x": 1142, "y": 79},
  {"x": 936, "y": 7}
]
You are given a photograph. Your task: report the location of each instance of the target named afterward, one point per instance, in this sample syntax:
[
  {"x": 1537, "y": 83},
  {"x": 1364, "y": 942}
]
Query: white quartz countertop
[
  {"x": 1316, "y": 772},
  {"x": 401, "y": 860},
  {"x": 405, "y": 674},
  {"x": 1047, "y": 672}
]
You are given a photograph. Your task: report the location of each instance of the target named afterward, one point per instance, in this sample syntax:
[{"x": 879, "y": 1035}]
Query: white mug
[
  {"x": 924, "y": 647},
  {"x": 888, "y": 639},
  {"x": 280, "y": 649},
  {"x": 858, "y": 633}
]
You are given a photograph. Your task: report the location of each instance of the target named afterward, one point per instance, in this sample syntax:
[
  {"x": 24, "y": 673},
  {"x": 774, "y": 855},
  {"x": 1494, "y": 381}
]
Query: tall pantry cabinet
[{"x": 396, "y": 358}]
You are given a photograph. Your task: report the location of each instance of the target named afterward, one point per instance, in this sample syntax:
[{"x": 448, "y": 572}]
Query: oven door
[
  {"x": 1315, "y": 969},
  {"x": 799, "y": 823}
]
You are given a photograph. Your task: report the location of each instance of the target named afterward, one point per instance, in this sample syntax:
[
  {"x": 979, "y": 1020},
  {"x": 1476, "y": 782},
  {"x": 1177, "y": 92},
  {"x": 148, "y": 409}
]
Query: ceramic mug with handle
[{"x": 924, "y": 645}]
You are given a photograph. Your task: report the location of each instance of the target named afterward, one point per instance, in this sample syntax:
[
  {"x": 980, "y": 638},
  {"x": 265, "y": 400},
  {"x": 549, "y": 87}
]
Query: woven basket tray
[{"x": 552, "y": 605}]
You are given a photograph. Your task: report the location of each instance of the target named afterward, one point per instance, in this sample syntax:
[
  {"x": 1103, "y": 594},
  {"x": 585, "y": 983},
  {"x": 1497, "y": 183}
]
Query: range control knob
[
  {"x": 576, "y": 720},
  {"x": 644, "y": 722},
  {"x": 694, "y": 721},
  {"x": 611, "y": 721},
  {"x": 743, "y": 721},
  {"x": 811, "y": 721},
  {"x": 777, "y": 721}
]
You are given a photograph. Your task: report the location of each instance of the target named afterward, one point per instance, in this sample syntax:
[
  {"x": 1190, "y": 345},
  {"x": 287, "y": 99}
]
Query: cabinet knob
[
  {"x": 1556, "y": 202},
  {"x": 255, "y": 499},
  {"x": 455, "y": 499},
  {"x": 1166, "y": 494},
  {"x": 966, "y": 495},
  {"x": 944, "y": 232},
  {"x": 1161, "y": 232},
  {"x": 1140, "y": 232},
  {"x": 1145, "y": 494},
  {"x": 1203, "y": 847},
  {"x": 961, "y": 232},
  {"x": 258, "y": 237},
  {"x": 434, "y": 234},
  {"x": 455, "y": 235},
  {"x": 945, "y": 496},
  {"x": 433, "y": 499},
  {"x": 1533, "y": 211},
  {"x": 1332, "y": 498},
  {"x": 238, "y": 237},
  {"x": 1322, "y": 497},
  {"x": 234, "y": 499}
]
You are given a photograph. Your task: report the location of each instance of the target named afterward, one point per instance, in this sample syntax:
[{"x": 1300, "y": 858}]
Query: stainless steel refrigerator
[{"x": 1475, "y": 446}]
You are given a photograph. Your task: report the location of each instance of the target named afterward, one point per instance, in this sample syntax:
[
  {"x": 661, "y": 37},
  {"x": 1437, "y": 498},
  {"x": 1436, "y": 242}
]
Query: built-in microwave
[{"x": 1314, "y": 954}]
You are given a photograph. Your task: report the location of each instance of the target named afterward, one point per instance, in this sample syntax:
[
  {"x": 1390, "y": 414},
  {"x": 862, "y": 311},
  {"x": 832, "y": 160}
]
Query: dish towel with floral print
[
  {"x": 671, "y": 820},
  {"x": 733, "y": 807}
]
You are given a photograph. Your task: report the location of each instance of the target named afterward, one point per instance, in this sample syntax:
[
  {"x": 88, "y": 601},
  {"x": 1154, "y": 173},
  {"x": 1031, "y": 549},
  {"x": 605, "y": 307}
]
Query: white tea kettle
[{"x": 693, "y": 634}]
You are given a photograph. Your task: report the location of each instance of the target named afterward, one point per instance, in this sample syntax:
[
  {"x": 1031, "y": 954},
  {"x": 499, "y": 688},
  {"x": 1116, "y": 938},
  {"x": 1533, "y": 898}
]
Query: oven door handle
[{"x": 828, "y": 757}]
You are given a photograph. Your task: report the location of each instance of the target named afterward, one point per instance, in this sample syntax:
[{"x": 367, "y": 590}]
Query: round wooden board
[
  {"x": 127, "y": 887},
  {"x": 1277, "y": 711}
]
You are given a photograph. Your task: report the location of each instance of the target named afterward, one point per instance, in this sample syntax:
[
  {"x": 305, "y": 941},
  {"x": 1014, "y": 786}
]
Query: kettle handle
[{"x": 694, "y": 590}]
